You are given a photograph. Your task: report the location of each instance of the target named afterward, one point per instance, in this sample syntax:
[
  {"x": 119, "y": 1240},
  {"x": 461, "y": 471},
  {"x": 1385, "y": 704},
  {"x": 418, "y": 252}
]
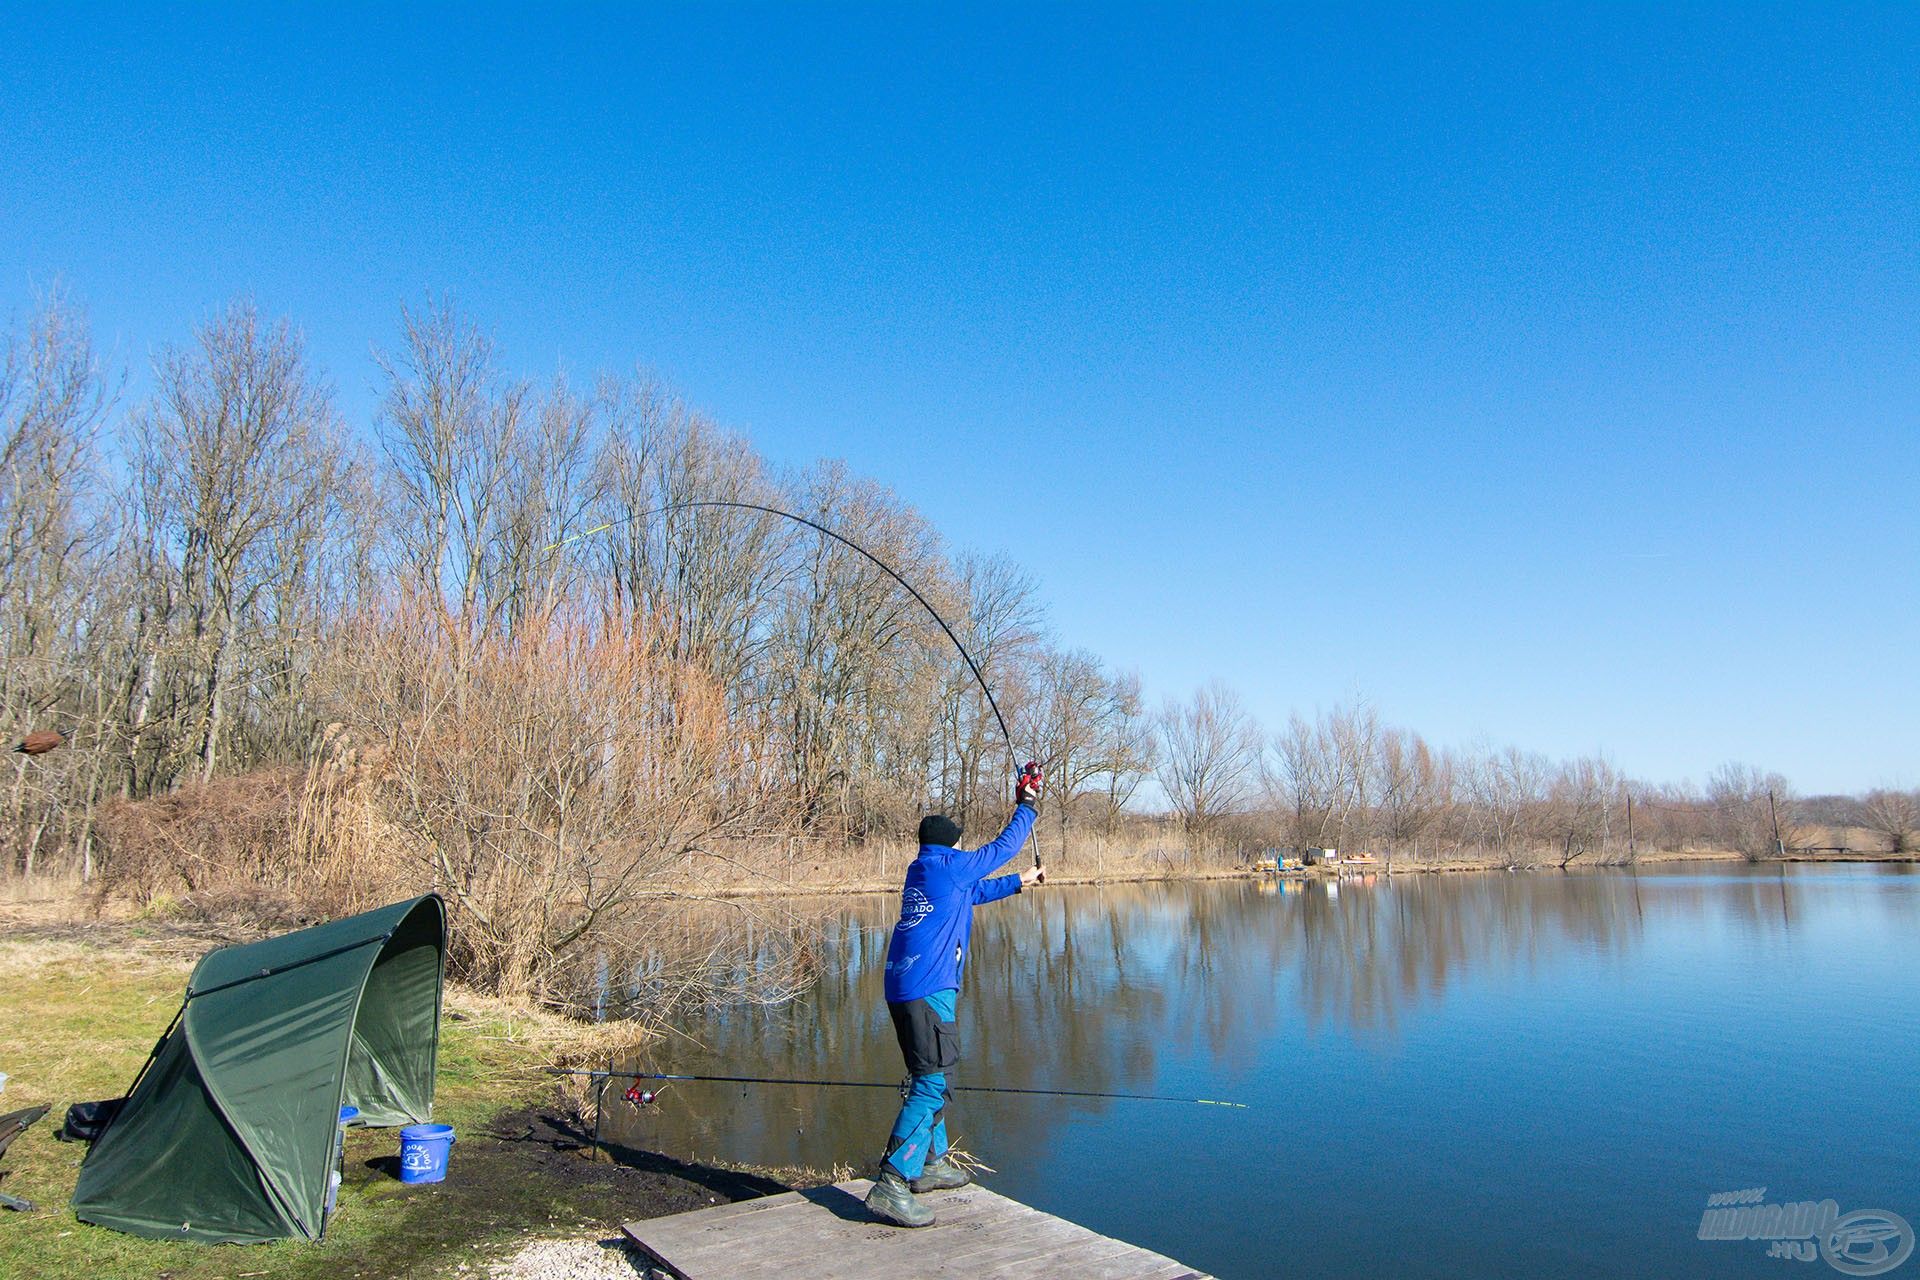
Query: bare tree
[
  {"x": 1413, "y": 788},
  {"x": 1893, "y": 815},
  {"x": 710, "y": 576},
  {"x": 1506, "y": 789},
  {"x": 1003, "y": 631},
  {"x": 1086, "y": 722},
  {"x": 450, "y": 428},
  {"x": 1323, "y": 770},
  {"x": 1209, "y": 751},
  {"x": 1754, "y": 809},
  {"x": 52, "y": 400},
  {"x": 854, "y": 683},
  {"x": 1133, "y": 749},
  {"x": 240, "y": 443},
  {"x": 547, "y": 496},
  {"x": 1580, "y": 806}
]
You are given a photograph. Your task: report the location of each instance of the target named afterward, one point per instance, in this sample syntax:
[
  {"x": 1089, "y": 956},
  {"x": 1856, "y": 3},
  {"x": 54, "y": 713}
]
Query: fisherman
[{"x": 924, "y": 960}]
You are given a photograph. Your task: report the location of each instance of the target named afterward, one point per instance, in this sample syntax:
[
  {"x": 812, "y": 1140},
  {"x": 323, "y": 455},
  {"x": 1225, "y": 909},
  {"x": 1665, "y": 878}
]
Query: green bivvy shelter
[{"x": 228, "y": 1134}]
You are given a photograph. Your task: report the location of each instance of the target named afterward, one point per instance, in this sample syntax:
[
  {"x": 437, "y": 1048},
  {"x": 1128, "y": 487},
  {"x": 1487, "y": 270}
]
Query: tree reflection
[{"x": 1150, "y": 988}]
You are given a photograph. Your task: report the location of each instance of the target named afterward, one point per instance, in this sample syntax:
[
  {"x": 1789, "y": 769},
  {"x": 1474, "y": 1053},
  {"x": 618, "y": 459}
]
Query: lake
[{"x": 1532, "y": 1074}]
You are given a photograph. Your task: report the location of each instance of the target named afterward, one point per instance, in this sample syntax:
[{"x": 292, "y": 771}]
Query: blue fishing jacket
[{"x": 936, "y": 910}]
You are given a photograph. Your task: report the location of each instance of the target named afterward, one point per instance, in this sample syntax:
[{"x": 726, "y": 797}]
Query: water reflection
[{"x": 1171, "y": 988}]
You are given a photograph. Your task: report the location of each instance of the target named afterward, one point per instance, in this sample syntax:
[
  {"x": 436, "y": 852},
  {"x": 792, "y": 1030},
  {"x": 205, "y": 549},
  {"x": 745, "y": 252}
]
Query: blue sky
[{"x": 1545, "y": 373}]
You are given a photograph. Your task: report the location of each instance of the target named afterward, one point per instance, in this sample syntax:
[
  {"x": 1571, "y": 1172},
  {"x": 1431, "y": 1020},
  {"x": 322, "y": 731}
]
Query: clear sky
[{"x": 1544, "y": 373}]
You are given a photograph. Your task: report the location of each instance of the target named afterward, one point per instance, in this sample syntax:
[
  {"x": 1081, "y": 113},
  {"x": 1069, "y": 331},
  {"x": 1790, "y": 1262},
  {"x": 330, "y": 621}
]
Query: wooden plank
[
  {"x": 827, "y": 1232},
  {"x": 844, "y": 1212},
  {"x": 1020, "y": 1234},
  {"x": 1102, "y": 1259},
  {"x": 719, "y": 1230},
  {"x": 1023, "y": 1251},
  {"x": 791, "y": 1245},
  {"x": 792, "y": 1232}
]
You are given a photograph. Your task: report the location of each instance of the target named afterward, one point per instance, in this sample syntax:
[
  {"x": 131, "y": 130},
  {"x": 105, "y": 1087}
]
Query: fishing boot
[
  {"x": 891, "y": 1200},
  {"x": 940, "y": 1175}
]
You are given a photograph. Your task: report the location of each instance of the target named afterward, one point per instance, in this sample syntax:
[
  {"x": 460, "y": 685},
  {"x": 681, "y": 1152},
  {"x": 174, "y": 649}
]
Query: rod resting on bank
[{"x": 881, "y": 1084}]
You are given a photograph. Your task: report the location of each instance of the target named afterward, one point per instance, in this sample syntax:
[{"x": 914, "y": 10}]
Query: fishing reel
[
  {"x": 639, "y": 1097},
  {"x": 1030, "y": 779}
]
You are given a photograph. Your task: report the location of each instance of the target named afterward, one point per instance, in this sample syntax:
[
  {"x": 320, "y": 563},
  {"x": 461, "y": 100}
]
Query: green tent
[{"x": 228, "y": 1134}]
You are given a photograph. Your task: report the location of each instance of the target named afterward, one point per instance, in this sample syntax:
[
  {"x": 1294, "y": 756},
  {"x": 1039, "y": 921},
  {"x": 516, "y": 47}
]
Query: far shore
[
  {"x": 69, "y": 902},
  {"x": 1402, "y": 866}
]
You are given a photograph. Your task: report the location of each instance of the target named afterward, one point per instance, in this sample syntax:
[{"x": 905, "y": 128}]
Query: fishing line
[
  {"x": 880, "y": 1084},
  {"x": 844, "y": 541}
]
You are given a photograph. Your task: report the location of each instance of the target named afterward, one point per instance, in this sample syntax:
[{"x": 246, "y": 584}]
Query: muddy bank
[{"x": 529, "y": 1172}]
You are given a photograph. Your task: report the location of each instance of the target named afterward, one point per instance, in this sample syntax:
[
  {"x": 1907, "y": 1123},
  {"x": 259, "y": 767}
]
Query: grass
[{"x": 80, "y": 1018}]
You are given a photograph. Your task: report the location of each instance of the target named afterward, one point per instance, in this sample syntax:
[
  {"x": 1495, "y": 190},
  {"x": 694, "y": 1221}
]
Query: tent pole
[
  {"x": 155, "y": 1051},
  {"x": 141, "y": 1074},
  {"x": 383, "y": 939}
]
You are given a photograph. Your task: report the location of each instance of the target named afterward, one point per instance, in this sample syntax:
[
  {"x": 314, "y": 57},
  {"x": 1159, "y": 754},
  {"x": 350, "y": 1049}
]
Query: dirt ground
[
  {"x": 532, "y": 1173},
  {"x": 521, "y": 1144}
]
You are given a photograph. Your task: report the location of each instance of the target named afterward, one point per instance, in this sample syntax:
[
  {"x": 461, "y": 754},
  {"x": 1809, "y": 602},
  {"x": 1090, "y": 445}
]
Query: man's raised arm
[{"x": 982, "y": 861}]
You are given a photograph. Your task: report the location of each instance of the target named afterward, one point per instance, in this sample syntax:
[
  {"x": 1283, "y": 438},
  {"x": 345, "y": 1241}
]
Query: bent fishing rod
[
  {"x": 881, "y": 1084},
  {"x": 690, "y": 504}
]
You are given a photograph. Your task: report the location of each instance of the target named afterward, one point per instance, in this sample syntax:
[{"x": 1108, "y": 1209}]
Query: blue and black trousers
[{"x": 930, "y": 1042}]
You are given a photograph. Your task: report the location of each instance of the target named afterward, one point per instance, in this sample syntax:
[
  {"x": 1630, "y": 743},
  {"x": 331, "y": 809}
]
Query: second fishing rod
[{"x": 881, "y": 1084}]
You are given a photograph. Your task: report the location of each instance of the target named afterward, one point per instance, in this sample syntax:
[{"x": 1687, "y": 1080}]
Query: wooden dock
[{"x": 827, "y": 1232}]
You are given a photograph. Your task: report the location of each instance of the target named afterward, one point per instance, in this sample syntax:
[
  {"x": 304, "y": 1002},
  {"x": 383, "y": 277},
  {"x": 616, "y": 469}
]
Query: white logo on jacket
[{"x": 915, "y": 906}]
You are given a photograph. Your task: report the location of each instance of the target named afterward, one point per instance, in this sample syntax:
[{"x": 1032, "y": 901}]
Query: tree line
[
  {"x": 477, "y": 642},
  {"x": 1346, "y": 779}
]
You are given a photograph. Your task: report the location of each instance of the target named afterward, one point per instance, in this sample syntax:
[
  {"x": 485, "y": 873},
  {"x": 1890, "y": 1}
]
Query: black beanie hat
[{"x": 939, "y": 829}]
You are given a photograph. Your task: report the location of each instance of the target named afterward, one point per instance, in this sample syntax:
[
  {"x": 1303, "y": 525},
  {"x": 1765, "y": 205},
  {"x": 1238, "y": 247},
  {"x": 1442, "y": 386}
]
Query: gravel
[{"x": 611, "y": 1259}]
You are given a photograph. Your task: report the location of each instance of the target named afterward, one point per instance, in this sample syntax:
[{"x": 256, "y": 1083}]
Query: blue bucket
[{"x": 423, "y": 1152}]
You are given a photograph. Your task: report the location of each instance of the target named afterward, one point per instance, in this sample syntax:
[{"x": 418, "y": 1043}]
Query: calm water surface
[{"x": 1475, "y": 1075}]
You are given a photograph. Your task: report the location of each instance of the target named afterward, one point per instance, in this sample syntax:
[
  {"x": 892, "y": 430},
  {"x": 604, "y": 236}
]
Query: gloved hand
[{"x": 1027, "y": 790}]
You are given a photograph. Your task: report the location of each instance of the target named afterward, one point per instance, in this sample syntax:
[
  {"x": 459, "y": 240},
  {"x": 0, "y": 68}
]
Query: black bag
[{"x": 86, "y": 1121}]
